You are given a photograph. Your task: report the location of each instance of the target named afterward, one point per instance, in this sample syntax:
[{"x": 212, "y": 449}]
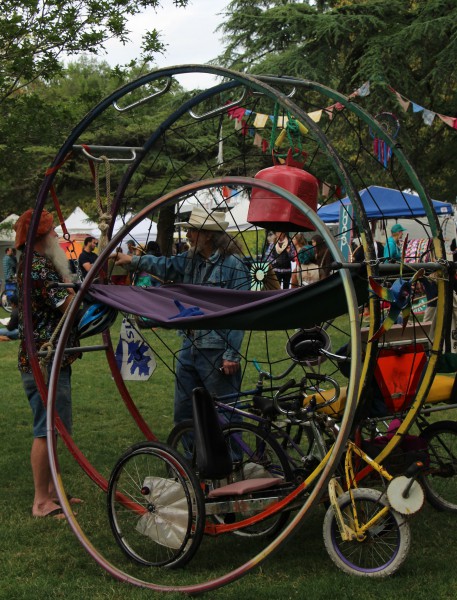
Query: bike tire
[
  {"x": 387, "y": 542},
  {"x": 155, "y": 506},
  {"x": 440, "y": 476},
  {"x": 255, "y": 453}
]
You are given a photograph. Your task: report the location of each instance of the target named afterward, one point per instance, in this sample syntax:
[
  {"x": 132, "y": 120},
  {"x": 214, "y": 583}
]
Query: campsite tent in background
[
  {"x": 385, "y": 203},
  {"x": 78, "y": 223}
]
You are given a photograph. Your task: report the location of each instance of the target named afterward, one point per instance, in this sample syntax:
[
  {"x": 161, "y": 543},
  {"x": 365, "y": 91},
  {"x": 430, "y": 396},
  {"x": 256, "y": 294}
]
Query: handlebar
[
  {"x": 267, "y": 375},
  {"x": 280, "y": 398}
]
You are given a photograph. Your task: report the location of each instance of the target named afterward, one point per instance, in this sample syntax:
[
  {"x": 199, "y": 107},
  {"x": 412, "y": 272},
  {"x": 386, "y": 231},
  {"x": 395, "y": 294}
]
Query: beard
[{"x": 53, "y": 251}]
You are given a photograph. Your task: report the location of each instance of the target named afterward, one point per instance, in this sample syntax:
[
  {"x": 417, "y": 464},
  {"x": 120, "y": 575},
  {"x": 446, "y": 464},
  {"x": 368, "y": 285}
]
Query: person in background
[
  {"x": 87, "y": 257},
  {"x": 130, "y": 247},
  {"x": 392, "y": 250},
  {"x": 153, "y": 248},
  {"x": 181, "y": 247},
  {"x": 208, "y": 358},
  {"x": 11, "y": 331},
  {"x": 307, "y": 270},
  {"x": 280, "y": 254},
  {"x": 322, "y": 255},
  {"x": 140, "y": 278},
  {"x": 298, "y": 242},
  {"x": 47, "y": 304},
  {"x": 9, "y": 265},
  {"x": 118, "y": 275},
  {"x": 358, "y": 253}
]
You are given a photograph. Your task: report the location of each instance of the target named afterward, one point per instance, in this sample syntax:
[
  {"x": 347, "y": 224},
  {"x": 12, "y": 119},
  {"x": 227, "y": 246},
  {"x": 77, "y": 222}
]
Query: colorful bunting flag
[
  {"x": 260, "y": 120},
  {"x": 428, "y": 116},
  {"x": 416, "y": 107},
  {"x": 315, "y": 116}
]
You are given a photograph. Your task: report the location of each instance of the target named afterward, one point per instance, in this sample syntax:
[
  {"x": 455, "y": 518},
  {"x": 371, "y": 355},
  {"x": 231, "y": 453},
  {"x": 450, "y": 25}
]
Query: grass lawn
[{"x": 42, "y": 559}]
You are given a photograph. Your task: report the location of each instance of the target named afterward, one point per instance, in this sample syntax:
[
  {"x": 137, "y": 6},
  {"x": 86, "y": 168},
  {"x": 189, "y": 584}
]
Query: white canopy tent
[
  {"x": 238, "y": 215},
  {"x": 78, "y": 223}
]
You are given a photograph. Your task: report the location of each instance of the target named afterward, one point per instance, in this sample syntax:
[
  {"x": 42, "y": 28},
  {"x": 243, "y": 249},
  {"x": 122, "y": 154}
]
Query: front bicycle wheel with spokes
[
  {"x": 155, "y": 506},
  {"x": 385, "y": 544}
]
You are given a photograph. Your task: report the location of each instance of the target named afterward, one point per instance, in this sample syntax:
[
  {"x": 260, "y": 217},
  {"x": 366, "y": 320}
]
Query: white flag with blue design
[{"x": 134, "y": 356}]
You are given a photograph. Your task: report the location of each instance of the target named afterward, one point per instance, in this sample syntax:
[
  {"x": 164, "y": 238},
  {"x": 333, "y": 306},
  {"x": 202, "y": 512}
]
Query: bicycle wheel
[
  {"x": 255, "y": 454},
  {"x": 440, "y": 481},
  {"x": 155, "y": 506},
  {"x": 385, "y": 545}
]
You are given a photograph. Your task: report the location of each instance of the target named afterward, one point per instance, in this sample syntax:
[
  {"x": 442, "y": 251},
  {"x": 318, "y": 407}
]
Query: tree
[
  {"x": 38, "y": 122},
  {"x": 409, "y": 45},
  {"x": 35, "y": 35}
]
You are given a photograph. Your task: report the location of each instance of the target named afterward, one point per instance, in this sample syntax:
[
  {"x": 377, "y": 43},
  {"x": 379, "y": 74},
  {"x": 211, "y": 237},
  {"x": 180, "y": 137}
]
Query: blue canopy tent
[{"x": 385, "y": 203}]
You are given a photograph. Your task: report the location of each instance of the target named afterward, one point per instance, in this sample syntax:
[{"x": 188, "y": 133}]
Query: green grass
[{"x": 42, "y": 559}]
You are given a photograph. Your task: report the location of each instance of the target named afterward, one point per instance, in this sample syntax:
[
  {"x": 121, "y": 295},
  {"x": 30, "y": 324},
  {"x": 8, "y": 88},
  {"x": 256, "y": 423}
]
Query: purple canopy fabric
[{"x": 232, "y": 309}]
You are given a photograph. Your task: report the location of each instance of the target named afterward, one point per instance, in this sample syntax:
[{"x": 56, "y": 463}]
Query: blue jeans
[
  {"x": 63, "y": 401},
  {"x": 198, "y": 367},
  {"x": 13, "y": 334}
]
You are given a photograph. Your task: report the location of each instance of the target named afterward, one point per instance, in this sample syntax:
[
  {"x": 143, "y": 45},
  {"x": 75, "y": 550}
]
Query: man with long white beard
[{"x": 49, "y": 265}]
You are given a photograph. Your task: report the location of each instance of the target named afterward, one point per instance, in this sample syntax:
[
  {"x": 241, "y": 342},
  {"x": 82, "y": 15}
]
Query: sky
[{"x": 189, "y": 34}]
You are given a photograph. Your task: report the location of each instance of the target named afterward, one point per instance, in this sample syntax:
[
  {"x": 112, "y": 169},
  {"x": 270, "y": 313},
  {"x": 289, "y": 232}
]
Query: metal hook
[
  {"x": 131, "y": 149},
  {"x": 144, "y": 100},
  {"x": 220, "y": 109}
]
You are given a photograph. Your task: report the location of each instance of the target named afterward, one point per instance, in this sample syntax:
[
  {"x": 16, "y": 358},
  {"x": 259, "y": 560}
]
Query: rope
[
  {"x": 49, "y": 345},
  {"x": 291, "y": 131},
  {"x": 104, "y": 213}
]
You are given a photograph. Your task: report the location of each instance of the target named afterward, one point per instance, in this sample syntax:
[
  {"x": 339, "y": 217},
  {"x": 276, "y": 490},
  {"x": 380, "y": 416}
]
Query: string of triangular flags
[
  {"x": 260, "y": 119},
  {"x": 428, "y": 116}
]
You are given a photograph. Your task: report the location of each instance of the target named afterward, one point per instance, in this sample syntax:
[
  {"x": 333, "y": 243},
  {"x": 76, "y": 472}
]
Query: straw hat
[{"x": 202, "y": 219}]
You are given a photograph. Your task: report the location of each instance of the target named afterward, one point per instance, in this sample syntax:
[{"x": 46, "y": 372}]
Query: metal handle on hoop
[
  {"x": 133, "y": 150},
  {"x": 144, "y": 100},
  {"x": 220, "y": 109}
]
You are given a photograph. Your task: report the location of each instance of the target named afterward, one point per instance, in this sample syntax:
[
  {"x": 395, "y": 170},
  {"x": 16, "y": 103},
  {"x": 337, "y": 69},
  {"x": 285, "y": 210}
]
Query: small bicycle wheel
[
  {"x": 155, "y": 506},
  {"x": 386, "y": 542},
  {"x": 440, "y": 476},
  {"x": 255, "y": 454}
]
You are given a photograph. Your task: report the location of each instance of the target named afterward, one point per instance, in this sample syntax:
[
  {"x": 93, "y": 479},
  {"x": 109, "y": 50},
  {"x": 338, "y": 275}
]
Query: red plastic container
[{"x": 270, "y": 211}]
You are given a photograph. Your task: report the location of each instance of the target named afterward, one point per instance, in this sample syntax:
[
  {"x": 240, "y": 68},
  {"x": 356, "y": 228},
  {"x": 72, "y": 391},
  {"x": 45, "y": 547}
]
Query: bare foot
[
  {"x": 49, "y": 509},
  {"x": 71, "y": 500}
]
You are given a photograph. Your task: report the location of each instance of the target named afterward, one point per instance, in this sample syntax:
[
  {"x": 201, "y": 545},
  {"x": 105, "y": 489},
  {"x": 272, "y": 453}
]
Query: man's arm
[{"x": 87, "y": 266}]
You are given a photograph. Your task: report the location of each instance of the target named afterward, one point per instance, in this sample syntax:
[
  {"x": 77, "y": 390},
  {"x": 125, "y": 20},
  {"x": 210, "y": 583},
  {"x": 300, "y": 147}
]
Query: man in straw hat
[
  {"x": 49, "y": 265},
  {"x": 208, "y": 358}
]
